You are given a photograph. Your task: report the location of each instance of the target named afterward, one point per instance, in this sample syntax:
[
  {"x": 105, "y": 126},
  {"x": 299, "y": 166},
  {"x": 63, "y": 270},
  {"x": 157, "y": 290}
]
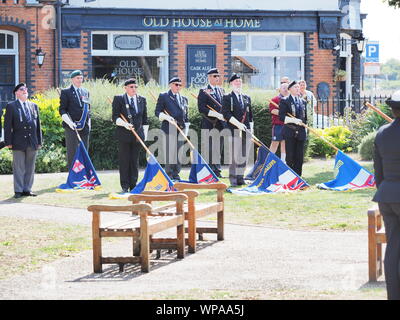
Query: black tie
[
  {"x": 133, "y": 105},
  {"x": 241, "y": 101},
  {"x": 27, "y": 113},
  {"x": 218, "y": 94}
]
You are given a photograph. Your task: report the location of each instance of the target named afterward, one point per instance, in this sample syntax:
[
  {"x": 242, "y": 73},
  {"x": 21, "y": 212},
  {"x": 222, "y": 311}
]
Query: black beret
[
  {"x": 234, "y": 77},
  {"x": 393, "y": 104},
  {"x": 292, "y": 84},
  {"x": 213, "y": 71},
  {"x": 175, "y": 79},
  {"x": 130, "y": 81},
  {"x": 76, "y": 73},
  {"x": 19, "y": 85}
]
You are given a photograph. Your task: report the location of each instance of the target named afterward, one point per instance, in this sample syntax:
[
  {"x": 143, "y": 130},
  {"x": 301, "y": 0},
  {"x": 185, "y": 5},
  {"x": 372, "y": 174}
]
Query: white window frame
[
  {"x": 275, "y": 53},
  {"x": 111, "y": 52},
  {"x": 131, "y": 53},
  {"x": 10, "y": 52}
]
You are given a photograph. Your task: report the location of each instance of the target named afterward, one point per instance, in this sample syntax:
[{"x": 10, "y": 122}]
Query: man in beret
[
  {"x": 133, "y": 108},
  {"x": 236, "y": 109},
  {"x": 173, "y": 107},
  {"x": 75, "y": 113},
  {"x": 23, "y": 135},
  {"x": 209, "y": 103},
  {"x": 293, "y": 113},
  {"x": 387, "y": 177}
]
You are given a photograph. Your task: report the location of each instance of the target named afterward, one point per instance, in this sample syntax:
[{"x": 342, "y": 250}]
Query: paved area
[{"x": 250, "y": 258}]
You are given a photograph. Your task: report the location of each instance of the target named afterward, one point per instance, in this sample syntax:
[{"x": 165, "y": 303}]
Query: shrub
[
  {"x": 366, "y": 149},
  {"x": 51, "y": 158},
  {"x": 6, "y": 161},
  {"x": 337, "y": 135}
]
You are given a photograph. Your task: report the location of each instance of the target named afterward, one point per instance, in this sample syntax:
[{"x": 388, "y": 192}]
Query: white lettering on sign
[{"x": 230, "y": 23}]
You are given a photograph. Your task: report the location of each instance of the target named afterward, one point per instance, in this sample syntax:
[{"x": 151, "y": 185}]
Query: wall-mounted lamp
[{"x": 40, "y": 57}]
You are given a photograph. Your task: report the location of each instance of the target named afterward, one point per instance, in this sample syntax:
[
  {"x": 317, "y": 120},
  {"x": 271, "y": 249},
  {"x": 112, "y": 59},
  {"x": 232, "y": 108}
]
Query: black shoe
[
  {"x": 176, "y": 178},
  {"x": 124, "y": 191},
  {"x": 218, "y": 174},
  {"x": 18, "y": 195},
  {"x": 29, "y": 194}
]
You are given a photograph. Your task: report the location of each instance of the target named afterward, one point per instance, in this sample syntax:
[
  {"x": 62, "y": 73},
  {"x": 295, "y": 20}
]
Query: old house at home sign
[{"x": 200, "y": 59}]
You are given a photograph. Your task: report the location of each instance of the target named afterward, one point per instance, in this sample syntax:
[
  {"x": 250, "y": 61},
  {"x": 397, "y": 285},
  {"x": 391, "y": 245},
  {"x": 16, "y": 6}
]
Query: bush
[
  {"x": 51, "y": 158},
  {"x": 366, "y": 149},
  {"x": 6, "y": 161},
  {"x": 337, "y": 135}
]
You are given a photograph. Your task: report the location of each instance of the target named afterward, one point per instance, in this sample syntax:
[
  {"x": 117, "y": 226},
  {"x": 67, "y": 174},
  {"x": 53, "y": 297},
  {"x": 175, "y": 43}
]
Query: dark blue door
[{"x": 7, "y": 79}]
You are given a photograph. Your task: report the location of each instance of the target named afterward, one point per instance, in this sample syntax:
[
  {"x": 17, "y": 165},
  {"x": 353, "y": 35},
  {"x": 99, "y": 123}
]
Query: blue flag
[
  {"x": 82, "y": 175},
  {"x": 258, "y": 165},
  {"x": 275, "y": 176},
  {"x": 349, "y": 175},
  {"x": 155, "y": 179},
  {"x": 200, "y": 172}
]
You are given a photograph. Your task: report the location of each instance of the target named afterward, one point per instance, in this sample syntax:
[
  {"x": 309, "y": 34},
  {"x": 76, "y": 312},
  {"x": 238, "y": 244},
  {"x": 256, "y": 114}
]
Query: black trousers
[
  {"x": 173, "y": 154},
  {"x": 212, "y": 148},
  {"x": 295, "y": 154},
  {"x": 128, "y": 159},
  {"x": 391, "y": 219}
]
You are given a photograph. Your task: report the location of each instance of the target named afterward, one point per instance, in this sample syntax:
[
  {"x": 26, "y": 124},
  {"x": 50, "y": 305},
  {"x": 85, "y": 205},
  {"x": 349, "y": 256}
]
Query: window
[
  {"x": 121, "y": 55},
  {"x": 263, "y": 58}
]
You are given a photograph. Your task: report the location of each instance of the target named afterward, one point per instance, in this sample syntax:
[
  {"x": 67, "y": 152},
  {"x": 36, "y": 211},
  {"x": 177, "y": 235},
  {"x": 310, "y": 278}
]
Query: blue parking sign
[{"x": 372, "y": 52}]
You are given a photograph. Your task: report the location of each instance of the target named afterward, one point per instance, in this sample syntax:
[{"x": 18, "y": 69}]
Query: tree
[
  {"x": 393, "y": 3},
  {"x": 391, "y": 69}
]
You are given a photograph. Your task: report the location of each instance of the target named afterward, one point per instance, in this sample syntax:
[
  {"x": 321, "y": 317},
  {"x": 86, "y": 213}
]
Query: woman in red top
[{"x": 277, "y": 124}]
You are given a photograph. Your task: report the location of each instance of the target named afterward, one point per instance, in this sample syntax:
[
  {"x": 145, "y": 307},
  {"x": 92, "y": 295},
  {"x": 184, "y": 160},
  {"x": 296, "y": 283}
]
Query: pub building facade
[{"x": 156, "y": 40}]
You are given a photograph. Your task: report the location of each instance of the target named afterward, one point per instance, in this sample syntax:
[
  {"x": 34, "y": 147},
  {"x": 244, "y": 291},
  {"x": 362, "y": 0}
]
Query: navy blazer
[
  {"x": 166, "y": 103},
  {"x": 203, "y": 100},
  {"x": 387, "y": 163},
  {"x": 231, "y": 108},
  {"x": 18, "y": 131},
  {"x": 290, "y": 130},
  {"x": 69, "y": 103},
  {"x": 138, "y": 119}
]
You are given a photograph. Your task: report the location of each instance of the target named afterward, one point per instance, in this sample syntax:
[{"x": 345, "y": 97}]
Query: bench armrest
[
  {"x": 179, "y": 197},
  {"x": 374, "y": 212},
  {"x": 128, "y": 208},
  {"x": 185, "y": 185},
  {"x": 190, "y": 194}
]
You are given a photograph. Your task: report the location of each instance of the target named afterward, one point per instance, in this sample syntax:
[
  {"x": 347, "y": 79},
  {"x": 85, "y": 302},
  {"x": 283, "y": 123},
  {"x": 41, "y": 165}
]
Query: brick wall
[
  {"x": 322, "y": 65},
  {"x": 179, "y": 41},
  {"x": 33, "y": 31}
]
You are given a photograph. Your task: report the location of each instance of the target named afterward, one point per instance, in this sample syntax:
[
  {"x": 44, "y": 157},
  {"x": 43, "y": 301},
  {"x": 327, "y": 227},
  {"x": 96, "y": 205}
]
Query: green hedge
[{"x": 366, "y": 149}]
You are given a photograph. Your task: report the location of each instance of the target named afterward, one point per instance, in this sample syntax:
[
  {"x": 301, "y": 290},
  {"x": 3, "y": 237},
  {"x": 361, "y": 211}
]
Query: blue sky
[{"x": 383, "y": 25}]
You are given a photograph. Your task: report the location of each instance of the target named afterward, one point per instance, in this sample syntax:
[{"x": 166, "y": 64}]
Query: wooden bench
[
  {"x": 140, "y": 223},
  {"x": 194, "y": 211},
  {"x": 376, "y": 237}
]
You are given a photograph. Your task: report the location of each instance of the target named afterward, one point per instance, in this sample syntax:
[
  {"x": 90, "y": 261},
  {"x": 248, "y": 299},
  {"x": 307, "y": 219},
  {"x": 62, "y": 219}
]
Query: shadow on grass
[
  {"x": 38, "y": 193},
  {"x": 131, "y": 271},
  {"x": 373, "y": 285}
]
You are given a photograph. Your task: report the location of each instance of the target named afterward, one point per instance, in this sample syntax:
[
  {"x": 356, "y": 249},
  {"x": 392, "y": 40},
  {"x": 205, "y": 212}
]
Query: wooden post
[
  {"x": 144, "y": 242},
  {"x": 220, "y": 216},
  {"x": 191, "y": 225},
  {"x": 180, "y": 230},
  {"x": 97, "y": 254}
]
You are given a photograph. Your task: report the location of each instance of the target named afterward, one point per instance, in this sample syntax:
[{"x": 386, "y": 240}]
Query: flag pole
[
  {"x": 212, "y": 109},
  {"x": 383, "y": 115},
  {"x": 176, "y": 125},
  {"x": 134, "y": 133},
  {"x": 307, "y": 127},
  {"x": 255, "y": 139},
  {"x": 76, "y": 130}
]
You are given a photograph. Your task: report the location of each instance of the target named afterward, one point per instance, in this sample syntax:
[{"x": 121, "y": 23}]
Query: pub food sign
[{"x": 200, "y": 59}]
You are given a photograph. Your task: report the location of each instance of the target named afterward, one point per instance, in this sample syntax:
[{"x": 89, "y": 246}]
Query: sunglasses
[
  {"x": 132, "y": 87},
  {"x": 216, "y": 76},
  {"x": 22, "y": 89},
  {"x": 177, "y": 84}
]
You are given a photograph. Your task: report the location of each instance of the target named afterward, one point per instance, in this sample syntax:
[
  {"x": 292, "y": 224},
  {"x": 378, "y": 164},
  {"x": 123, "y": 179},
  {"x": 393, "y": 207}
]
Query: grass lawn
[{"x": 312, "y": 209}]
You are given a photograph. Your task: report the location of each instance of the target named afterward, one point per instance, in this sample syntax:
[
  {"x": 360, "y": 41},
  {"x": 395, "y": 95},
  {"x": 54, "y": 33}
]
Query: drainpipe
[{"x": 58, "y": 43}]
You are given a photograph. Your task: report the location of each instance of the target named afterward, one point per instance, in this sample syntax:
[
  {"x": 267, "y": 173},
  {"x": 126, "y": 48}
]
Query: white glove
[
  {"x": 146, "y": 131},
  {"x": 239, "y": 125},
  {"x": 252, "y": 127},
  {"x": 186, "y": 130},
  {"x": 293, "y": 120},
  {"x": 122, "y": 123},
  {"x": 162, "y": 116},
  {"x": 215, "y": 114},
  {"x": 68, "y": 121}
]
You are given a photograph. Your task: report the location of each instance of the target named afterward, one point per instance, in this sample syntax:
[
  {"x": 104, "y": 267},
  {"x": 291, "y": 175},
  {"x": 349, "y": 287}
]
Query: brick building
[{"x": 261, "y": 40}]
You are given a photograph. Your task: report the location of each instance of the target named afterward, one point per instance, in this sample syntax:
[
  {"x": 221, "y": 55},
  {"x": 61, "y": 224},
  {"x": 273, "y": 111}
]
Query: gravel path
[{"x": 250, "y": 258}]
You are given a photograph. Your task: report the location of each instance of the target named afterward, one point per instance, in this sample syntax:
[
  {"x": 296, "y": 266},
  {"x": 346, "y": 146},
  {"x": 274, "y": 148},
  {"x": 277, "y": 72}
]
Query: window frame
[
  {"x": 14, "y": 51},
  {"x": 134, "y": 53}
]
